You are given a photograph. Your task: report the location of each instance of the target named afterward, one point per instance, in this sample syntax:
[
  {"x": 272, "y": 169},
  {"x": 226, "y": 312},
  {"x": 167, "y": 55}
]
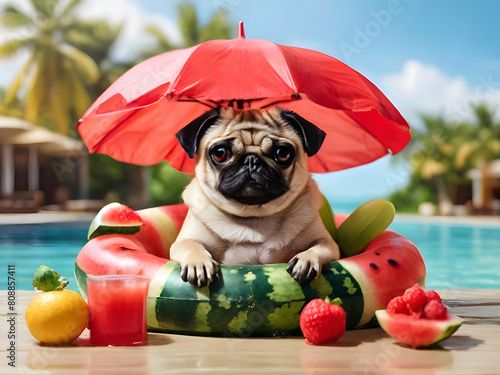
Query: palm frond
[
  {"x": 80, "y": 99},
  {"x": 82, "y": 63},
  {"x": 59, "y": 104},
  {"x": 188, "y": 23},
  {"x": 432, "y": 168},
  {"x": 464, "y": 153},
  {"x": 70, "y": 7},
  {"x": 484, "y": 116},
  {"x": 33, "y": 99},
  {"x": 217, "y": 27},
  {"x": 13, "y": 46},
  {"x": 44, "y": 8},
  {"x": 95, "y": 38},
  {"x": 13, "y": 18},
  {"x": 19, "y": 79},
  {"x": 160, "y": 37}
]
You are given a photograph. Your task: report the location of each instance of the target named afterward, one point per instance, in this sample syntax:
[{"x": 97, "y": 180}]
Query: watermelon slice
[
  {"x": 115, "y": 218},
  {"x": 417, "y": 332}
]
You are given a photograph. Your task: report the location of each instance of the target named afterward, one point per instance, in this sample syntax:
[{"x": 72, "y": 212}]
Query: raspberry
[
  {"x": 431, "y": 295},
  {"x": 435, "y": 310},
  {"x": 397, "y": 306},
  {"x": 321, "y": 322},
  {"x": 417, "y": 314},
  {"x": 414, "y": 298}
]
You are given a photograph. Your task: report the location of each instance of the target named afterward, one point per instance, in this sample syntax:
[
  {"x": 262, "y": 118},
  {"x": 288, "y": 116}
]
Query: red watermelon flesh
[
  {"x": 381, "y": 266},
  {"x": 120, "y": 214},
  {"x": 417, "y": 332},
  {"x": 160, "y": 228},
  {"x": 112, "y": 254},
  {"x": 115, "y": 218},
  {"x": 142, "y": 253}
]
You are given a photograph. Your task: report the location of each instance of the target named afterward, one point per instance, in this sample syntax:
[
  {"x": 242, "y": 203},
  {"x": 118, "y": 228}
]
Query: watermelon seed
[
  {"x": 377, "y": 253},
  {"x": 373, "y": 266},
  {"x": 126, "y": 248},
  {"x": 393, "y": 263}
]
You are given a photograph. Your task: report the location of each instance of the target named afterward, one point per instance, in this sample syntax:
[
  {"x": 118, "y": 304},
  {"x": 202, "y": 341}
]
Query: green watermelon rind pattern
[
  {"x": 250, "y": 300},
  {"x": 255, "y": 300},
  {"x": 103, "y": 230}
]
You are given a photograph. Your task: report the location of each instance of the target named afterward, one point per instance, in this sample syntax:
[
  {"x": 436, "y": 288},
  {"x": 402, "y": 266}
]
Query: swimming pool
[{"x": 457, "y": 256}]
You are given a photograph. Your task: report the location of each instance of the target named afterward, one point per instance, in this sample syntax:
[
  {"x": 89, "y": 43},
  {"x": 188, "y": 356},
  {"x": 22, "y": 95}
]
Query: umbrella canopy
[{"x": 135, "y": 120}]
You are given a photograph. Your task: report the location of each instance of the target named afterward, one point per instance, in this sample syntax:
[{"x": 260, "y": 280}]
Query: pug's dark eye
[
  {"x": 283, "y": 154},
  {"x": 219, "y": 154}
]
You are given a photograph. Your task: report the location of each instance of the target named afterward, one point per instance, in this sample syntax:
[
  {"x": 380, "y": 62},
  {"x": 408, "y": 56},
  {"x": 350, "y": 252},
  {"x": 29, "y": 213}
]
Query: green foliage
[
  {"x": 47, "y": 279},
  {"x": 69, "y": 67},
  {"x": 167, "y": 185},
  {"x": 442, "y": 154},
  {"x": 108, "y": 178},
  {"x": 13, "y": 109},
  {"x": 56, "y": 83},
  {"x": 192, "y": 32},
  {"x": 417, "y": 191}
]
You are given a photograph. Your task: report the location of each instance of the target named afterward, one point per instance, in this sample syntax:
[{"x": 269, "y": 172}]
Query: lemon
[{"x": 57, "y": 317}]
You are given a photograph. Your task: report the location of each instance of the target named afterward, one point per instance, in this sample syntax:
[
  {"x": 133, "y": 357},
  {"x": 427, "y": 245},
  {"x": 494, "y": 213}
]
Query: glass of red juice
[{"x": 117, "y": 308}]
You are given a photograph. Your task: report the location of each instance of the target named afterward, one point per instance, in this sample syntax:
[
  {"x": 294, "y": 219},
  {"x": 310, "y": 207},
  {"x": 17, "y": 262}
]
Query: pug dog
[{"x": 252, "y": 200}]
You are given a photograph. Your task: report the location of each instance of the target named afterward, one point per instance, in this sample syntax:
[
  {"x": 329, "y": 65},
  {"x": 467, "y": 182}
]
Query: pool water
[
  {"x": 456, "y": 256},
  {"x": 28, "y": 246}
]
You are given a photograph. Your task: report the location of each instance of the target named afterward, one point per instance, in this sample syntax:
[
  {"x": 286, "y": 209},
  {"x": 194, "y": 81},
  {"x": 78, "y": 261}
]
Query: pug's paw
[
  {"x": 303, "y": 269},
  {"x": 200, "y": 273}
]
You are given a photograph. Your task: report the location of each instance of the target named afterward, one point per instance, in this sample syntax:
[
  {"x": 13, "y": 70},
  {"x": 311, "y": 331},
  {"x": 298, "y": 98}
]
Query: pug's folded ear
[
  {"x": 189, "y": 136},
  {"x": 312, "y": 136}
]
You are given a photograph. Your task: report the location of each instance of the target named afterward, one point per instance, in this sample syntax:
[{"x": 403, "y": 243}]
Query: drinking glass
[{"x": 117, "y": 308}]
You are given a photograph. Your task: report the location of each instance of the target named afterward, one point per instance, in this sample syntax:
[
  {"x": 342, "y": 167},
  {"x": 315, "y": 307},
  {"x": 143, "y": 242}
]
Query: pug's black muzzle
[{"x": 251, "y": 181}]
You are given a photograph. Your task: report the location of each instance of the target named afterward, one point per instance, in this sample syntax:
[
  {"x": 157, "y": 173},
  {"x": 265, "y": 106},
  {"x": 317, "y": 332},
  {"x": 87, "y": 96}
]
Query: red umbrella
[{"x": 136, "y": 118}]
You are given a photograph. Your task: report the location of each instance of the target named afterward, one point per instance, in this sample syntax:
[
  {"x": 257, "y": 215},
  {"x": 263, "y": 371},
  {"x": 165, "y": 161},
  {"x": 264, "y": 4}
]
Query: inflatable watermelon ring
[{"x": 249, "y": 300}]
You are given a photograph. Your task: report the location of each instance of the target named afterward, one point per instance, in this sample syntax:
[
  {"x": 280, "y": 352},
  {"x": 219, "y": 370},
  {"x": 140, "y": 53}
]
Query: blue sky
[
  {"x": 458, "y": 36},
  {"x": 449, "y": 47},
  {"x": 428, "y": 56}
]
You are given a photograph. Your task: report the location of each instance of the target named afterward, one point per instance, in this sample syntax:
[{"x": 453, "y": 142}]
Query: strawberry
[{"x": 321, "y": 321}]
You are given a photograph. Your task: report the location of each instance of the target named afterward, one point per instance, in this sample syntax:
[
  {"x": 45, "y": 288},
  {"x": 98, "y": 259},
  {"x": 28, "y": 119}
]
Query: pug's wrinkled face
[{"x": 252, "y": 163}]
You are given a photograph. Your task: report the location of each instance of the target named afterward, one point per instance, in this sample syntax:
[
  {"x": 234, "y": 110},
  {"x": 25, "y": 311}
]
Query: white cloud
[
  {"x": 129, "y": 13},
  {"x": 134, "y": 18},
  {"x": 424, "y": 89},
  {"x": 416, "y": 89}
]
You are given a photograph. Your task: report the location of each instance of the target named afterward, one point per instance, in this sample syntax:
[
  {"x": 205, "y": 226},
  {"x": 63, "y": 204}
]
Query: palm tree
[
  {"x": 192, "y": 32},
  {"x": 59, "y": 71},
  {"x": 12, "y": 109},
  {"x": 434, "y": 159},
  {"x": 482, "y": 141},
  {"x": 442, "y": 154}
]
